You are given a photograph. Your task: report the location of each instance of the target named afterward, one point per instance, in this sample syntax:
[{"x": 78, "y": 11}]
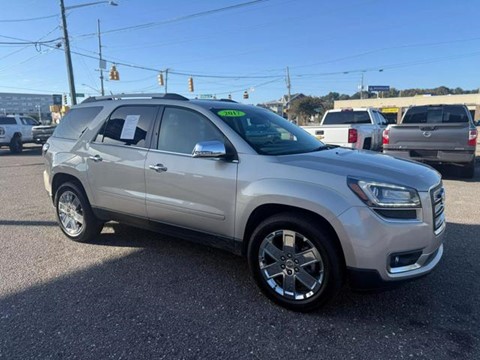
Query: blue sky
[{"x": 327, "y": 46}]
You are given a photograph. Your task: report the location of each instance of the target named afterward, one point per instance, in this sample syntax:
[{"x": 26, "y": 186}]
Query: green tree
[{"x": 307, "y": 107}]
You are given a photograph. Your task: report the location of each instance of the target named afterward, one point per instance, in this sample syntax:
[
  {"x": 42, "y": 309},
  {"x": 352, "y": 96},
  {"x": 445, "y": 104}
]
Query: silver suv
[{"x": 306, "y": 215}]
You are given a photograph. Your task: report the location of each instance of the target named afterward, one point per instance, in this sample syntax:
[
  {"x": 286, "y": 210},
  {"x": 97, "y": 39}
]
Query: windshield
[{"x": 268, "y": 133}]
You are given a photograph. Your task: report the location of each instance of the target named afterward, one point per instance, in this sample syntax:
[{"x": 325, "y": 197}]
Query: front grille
[{"x": 438, "y": 208}]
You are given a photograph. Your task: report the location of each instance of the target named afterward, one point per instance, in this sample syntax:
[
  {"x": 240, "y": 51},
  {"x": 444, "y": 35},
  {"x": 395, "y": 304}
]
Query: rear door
[
  {"x": 193, "y": 193},
  {"x": 27, "y": 125},
  {"x": 116, "y": 160},
  {"x": 432, "y": 127}
]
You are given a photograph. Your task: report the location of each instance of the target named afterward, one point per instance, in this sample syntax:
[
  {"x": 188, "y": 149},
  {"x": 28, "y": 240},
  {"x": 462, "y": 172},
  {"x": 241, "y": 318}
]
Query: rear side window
[
  {"x": 128, "y": 125},
  {"x": 436, "y": 115},
  {"x": 346, "y": 117},
  {"x": 75, "y": 122},
  {"x": 7, "y": 121}
]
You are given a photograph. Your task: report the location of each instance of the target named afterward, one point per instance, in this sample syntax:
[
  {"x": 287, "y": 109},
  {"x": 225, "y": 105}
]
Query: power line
[
  {"x": 30, "y": 19},
  {"x": 179, "y": 18}
]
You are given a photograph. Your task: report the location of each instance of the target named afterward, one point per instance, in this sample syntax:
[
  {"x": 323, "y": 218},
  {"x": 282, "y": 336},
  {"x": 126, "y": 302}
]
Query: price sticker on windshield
[{"x": 231, "y": 113}]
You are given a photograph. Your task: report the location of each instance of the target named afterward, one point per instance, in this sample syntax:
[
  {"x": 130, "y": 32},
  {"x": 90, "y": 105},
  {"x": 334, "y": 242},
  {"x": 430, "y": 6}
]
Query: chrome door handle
[
  {"x": 95, "y": 158},
  {"x": 158, "y": 168}
]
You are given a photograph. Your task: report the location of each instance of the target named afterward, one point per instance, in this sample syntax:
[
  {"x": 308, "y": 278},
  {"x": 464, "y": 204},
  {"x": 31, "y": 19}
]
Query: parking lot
[{"x": 135, "y": 294}]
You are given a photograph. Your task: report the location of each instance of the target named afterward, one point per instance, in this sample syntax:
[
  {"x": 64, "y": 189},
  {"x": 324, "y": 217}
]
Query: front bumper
[{"x": 372, "y": 242}]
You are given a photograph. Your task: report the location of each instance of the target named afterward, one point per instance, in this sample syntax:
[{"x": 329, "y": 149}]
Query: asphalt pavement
[{"x": 134, "y": 294}]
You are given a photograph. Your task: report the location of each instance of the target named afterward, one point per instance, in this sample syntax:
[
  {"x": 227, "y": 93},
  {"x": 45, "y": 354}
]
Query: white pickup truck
[
  {"x": 16, "y": 130},
  {"x": 359, "y": 128}
]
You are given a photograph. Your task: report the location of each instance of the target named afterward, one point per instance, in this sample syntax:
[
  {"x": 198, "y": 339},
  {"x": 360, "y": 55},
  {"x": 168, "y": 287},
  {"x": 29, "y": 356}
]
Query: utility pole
[
  {"x": 166, "y": 80},
  {"x": 289, "y": 85},
  {"x": 68, "y": 56},
  {"x": 101, "y": 62}
]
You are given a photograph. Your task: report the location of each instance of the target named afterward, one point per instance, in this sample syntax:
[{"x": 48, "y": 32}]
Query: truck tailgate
[
  {"x": 333, "y": 134},
  {"x": 429, "y": 136}
]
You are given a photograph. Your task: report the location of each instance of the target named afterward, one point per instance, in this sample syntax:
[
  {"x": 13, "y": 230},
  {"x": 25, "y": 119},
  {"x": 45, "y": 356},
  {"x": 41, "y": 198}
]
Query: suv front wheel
[
  {"x": 294, "y": 262},
  {"x": 74, "y": 214}
]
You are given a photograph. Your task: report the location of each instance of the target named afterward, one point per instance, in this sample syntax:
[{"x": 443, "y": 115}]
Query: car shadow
[
  {"x": 452, "y": 172},
  {"x": 27, "y": 150},
  {"x": 174, "y": 299}
]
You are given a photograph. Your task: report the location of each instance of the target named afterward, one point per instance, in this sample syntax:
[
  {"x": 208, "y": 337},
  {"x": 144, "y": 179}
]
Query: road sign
[
  {"x": 57, "y": 99},
  {"x": 206, "y": 96},
  {"x": 378, "y": 88},
  {"x": 80, "y": 95}
]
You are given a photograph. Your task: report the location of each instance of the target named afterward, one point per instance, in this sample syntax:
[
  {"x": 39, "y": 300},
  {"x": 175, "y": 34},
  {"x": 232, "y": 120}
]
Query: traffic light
[
  {"x": 190, "y": 84},
  {"x": 229, "y": 96},
  {"x": 64, "y": 99},
  {"x": 245, "y": 94},
  {"x": 160, "y": 79},
  {"x": 114, "y": 75}
]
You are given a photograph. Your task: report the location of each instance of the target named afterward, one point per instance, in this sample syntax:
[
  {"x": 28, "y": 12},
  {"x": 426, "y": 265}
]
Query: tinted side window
[
  {"x": 75, "y": 122},
  {"x": 28, "y": 121},
  {"x": 182, "y": 129},
  {"x": 7, "y": 121},
  {"x": 128, "y": 125},
  {"x": 347, "y": 117}
]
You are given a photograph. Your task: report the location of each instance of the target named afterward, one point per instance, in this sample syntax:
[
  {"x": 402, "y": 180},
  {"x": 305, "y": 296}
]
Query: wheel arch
[
  {"x": 62, "y": 178},
  {"x": 265, "y": 211}
]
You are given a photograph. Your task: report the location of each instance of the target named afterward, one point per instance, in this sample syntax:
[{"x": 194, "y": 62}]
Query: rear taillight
[
  {"x": 472, "y": 137},
  {"x": 385, "y": 137},
  {"x": 352, "y": 136}
]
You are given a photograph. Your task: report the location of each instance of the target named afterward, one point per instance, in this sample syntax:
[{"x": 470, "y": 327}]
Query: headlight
[{"x": 377, "y": 194}]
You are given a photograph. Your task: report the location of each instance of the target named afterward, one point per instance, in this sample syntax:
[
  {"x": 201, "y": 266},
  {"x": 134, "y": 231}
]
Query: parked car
[
  {"x": 306, "y": 215},
  {"x": 359, "y": 128},
  {"x": 16, "y": 130},
  {"x": 436, "y": 134},
  {"x": 41, "y": 133}
]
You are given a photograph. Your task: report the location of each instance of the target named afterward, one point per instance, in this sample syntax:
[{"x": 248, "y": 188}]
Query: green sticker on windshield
[{"x": 231, "y": 113}]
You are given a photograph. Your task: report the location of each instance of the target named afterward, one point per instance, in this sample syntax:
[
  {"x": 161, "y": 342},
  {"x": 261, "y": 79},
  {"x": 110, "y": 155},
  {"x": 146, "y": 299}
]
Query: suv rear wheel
[
  {"x": 75, "y": 215},
  {"x": 294, "y": 263}
]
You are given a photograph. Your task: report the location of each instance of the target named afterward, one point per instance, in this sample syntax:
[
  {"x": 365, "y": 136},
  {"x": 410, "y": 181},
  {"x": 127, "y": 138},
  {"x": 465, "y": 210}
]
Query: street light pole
[{"x": 68, "y": 56}]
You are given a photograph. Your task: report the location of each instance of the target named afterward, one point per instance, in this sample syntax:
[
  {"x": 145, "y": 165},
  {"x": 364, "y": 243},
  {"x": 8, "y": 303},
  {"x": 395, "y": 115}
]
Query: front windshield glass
[{"x": 268, "y": 133}]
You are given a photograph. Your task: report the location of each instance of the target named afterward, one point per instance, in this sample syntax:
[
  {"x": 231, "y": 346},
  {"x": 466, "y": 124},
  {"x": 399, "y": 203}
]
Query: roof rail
[
  {"x": 169, "y": 96},
  {"x": 224, "y": 100}
]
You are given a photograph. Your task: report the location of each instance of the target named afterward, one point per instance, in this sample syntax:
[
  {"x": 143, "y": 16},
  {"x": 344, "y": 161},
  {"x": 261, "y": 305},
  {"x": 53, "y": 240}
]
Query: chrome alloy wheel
[
  {"x": 70, "y": 213},
  {"x": 291, "y": 265}
]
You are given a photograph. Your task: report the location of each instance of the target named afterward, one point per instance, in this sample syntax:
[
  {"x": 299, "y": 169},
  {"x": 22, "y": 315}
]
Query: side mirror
[
  {"x": 209, "y": 149},
  {"x": 477, "y": 123}
]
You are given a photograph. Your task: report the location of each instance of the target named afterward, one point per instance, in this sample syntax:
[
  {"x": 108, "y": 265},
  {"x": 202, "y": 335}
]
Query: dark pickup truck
[
  {"x": 435, "y": 134},
  {"x": 41, "y": 133}
]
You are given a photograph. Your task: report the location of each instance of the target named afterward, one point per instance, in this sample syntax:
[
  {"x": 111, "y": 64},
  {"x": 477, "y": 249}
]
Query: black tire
[
  {"x": 16, "y": 145},
  {"x": 468, "y": 171},
  {"x": 69, "y": 211},
  {"x": 325, "y": 286}
]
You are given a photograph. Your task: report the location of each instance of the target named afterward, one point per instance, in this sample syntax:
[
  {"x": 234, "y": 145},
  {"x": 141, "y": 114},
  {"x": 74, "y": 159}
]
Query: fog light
[{"x": 404, "y": 259}]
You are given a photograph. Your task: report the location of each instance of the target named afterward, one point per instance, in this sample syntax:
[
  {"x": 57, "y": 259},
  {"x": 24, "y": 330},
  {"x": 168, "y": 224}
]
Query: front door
[{"x": 193, "y": 193}]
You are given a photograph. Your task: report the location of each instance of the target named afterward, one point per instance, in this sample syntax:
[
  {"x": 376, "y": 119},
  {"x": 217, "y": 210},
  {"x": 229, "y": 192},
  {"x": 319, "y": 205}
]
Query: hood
[{"x": 367, "y": 165}]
